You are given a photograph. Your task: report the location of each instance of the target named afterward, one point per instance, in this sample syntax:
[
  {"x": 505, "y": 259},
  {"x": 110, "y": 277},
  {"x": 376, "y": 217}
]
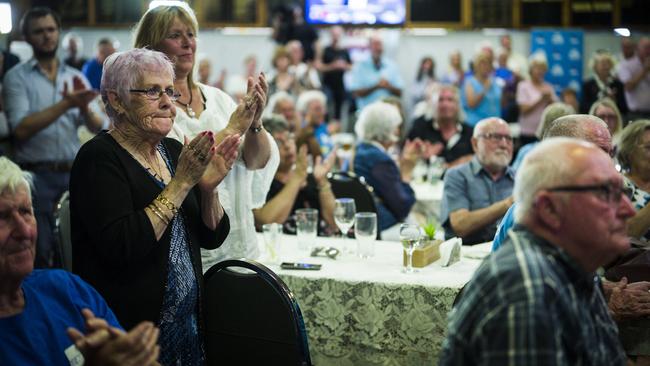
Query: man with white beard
[{"x": 478, "y": 193}]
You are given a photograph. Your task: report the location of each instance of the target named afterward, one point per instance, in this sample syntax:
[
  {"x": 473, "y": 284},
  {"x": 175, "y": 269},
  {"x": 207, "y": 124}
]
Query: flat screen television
[{"x": 355, "y": 12}]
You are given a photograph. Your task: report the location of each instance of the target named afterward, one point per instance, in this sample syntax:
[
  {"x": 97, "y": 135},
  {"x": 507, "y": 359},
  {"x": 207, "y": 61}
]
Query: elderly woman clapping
[
  {"x": 142, "y": 205},
  {"x": 378, "y": 128},
  {"x": 633, "y": 145}
]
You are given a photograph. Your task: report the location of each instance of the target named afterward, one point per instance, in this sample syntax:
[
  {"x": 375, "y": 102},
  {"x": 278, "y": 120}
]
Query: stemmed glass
[
  {"x": 344, "y": 210},
  {"x": 410, "y": 235}
]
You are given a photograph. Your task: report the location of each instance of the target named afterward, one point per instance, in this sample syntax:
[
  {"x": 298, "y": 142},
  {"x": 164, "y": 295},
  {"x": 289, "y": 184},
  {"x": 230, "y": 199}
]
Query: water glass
[
  {"x": 272, "y": 234},
  {"x": 410, "y": 236},
  {"x": 365, "y": 231},
  {"x": 307, "y": 227},
  {"x": 344, "y": 210}
]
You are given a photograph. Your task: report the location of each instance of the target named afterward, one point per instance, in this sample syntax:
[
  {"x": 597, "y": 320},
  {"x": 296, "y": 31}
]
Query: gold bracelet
[
  {"x": 157, "y": 212},
  {"x": 162, "y": 211},
  {"x": 167, "y": 203}
]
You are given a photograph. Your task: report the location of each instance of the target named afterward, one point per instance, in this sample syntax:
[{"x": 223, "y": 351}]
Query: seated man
[
  {"x": 444, "y": 133},
  {"x": 538, "y": 301},
  {"x": 477, "y": 193},
  {"x": 579, "y": 126},
  {"x": 36, "y": 306}
]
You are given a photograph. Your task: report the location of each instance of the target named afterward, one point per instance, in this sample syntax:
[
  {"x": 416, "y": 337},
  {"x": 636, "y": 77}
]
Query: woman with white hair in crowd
[
  {"x": 378, "y": 127},
  {"x": 533, "y": 96},
  {"x": 284, "y": 104},
  {"x": 314, "y": 131},
  {"x": 603, "y": 83}
]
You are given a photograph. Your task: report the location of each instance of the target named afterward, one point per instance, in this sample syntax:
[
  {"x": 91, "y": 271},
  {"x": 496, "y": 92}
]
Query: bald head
[
  {"x": 584, "y": 127},
  {"x": 488, "y": 124}
]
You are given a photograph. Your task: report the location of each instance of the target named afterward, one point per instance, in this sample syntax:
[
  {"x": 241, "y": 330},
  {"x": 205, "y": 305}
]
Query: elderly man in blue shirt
[
  {"x": 46, "y": 101},
  {"x": 478, "y": 193},
  {"x": 375, "y": 77}
]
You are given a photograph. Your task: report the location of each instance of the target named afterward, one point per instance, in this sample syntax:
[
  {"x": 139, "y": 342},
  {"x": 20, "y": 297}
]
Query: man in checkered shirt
[{"x": 538, "y": 301}]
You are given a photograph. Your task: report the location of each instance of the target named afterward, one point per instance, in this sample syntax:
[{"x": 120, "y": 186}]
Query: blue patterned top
[
  {"x": 639, "y": 198},
  {"x": 180, "y": 342}
]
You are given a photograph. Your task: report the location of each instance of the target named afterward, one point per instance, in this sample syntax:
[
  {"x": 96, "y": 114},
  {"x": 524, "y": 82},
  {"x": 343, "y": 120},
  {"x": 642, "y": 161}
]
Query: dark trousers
[{"x": 47, "y": 190}]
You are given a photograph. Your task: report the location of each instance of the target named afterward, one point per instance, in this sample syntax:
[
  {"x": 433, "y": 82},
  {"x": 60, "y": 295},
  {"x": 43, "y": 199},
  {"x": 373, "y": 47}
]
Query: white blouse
[{"x": 242, "y": 190}]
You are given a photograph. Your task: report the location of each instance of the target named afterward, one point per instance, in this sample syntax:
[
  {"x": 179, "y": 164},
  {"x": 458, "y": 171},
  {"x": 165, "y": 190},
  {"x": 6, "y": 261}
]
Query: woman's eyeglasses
[{"x": 155, "y": 93}]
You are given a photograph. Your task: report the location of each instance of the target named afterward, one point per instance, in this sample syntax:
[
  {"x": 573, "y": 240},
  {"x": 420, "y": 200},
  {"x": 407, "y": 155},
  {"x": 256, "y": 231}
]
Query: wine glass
[
  {"x": 344, "y": 210},
  {"x": 365, "y": 231},
  {"x": 307, "y": 228},
  {"x": 410, "y": 235}
]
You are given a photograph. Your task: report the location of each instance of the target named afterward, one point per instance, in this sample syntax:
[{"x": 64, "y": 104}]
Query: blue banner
[{"x": 564, "y": 52}]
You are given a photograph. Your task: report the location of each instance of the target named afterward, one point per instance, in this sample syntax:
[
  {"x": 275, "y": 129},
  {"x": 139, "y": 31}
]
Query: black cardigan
[{"x": 114, "y": 247}]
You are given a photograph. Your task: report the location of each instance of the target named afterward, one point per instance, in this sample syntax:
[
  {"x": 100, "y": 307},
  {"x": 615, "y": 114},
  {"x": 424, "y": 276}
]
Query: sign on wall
[{"x": 564, "y": 53}]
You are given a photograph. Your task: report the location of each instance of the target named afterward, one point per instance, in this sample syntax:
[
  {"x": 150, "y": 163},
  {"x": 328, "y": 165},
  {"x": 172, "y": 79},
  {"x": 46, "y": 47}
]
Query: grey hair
[
  {"x": 628, "y": 140},
  {"x": 124, "y": 70},
  {"x": 609, "y": 103},
  {"x": 574, "y": 125},
  {"x": 480, "y": 126},
  {"x": 552, "y": 112},
  {"x": 13, "y": 178},
  {"x": 309, "y": 96},
  {"x": 277, "y": 97},
  {"x": 377, "y": 122},
  {"x": 546, "y": 166},
  {"x": 275, "y": 123},
  {"x": 72, "y": 36}
]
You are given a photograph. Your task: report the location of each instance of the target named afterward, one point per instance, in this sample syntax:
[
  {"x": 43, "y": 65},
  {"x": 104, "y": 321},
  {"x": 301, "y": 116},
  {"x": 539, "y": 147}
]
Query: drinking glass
[
  {"x": 272, "y": 233},
  {"x": 410, "y": 235},
  {"x": 307, "y": 227},
  {"x": 344, "y": 210},
  {"x": 365, "y": 231}
]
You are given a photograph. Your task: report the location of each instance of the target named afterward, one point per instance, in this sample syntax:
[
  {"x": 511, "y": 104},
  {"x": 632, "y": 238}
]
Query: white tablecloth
[{"x": 361, "y": 312}]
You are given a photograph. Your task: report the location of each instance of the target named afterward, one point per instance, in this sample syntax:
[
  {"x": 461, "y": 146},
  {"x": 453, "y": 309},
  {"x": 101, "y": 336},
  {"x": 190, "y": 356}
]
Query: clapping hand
[
  {"x": 80, "y": 96},
  {"x": 300, "y": 168},
  {"x": 432, "y": 149},
  {"x": 630, "y": 300},
  {"x": 250, "y": 108},
  {"x": 107, "y": 345},
  {"x": 221, "y": 163},
  {"x": 413, "y": 150},
  {"x": 195, "y": 157},
  {"x": 322, "y": 167}
]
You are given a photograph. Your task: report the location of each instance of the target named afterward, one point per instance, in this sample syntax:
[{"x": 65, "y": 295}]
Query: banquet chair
[
  {"x": 252, "y": 317},
  {"x": 350, "y": 185},
  {"x": 62, "y": 231}
]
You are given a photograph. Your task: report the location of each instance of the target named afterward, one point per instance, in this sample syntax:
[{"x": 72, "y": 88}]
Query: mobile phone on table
[{"x": 303, "y": 266}]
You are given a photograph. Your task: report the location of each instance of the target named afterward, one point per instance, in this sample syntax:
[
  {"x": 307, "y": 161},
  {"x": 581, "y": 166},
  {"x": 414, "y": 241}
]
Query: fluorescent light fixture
[
  {"x": 429, "y": 31},
  {"x": 5, "y": 18},
  {"x": 494, "y": 31},
  {"x": 156, "y": 3},
  {"x": 623, "y": 32}
]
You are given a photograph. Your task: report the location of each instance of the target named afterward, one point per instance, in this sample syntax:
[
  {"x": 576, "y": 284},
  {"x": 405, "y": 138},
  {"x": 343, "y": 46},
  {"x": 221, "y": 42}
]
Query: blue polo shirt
[
  {"x": 27, "y": 90},
  {"x": 471, "y": 187},
  {"x": 366, "y": 75}
]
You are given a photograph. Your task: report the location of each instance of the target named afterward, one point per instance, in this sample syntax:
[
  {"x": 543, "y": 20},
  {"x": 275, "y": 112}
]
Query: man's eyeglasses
[
  {"x": 155, "y": 93},
  {"x": 496, "y": 137},
  {"x": 608, "y": 192}
]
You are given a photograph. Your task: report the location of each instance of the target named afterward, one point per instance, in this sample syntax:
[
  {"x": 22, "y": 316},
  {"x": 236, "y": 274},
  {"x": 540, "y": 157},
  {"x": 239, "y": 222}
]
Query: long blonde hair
[{"x": 154, "y": 26}]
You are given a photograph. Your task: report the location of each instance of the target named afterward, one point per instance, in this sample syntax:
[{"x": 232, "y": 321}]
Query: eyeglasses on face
[
  {"x": 496, "y": 137},
  {"x": 155, "y": 93},
  {"x": 608, "y": 192}
]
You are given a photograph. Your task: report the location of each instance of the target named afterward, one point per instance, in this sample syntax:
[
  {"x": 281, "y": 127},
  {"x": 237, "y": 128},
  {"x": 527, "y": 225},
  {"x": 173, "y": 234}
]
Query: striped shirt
[{"x": 531, "y": 304}]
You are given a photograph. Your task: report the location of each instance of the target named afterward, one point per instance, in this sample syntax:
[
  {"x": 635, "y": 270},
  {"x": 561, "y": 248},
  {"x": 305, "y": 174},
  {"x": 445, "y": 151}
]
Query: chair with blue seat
[{"x": 252, "y": 317}]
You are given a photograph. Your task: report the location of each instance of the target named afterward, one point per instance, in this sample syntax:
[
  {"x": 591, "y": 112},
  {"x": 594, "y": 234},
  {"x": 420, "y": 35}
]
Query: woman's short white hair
[
  {"x": 309, "y": 96},
  {"x": 13, "y": 178},
  {"x": 544, "y": 167},
  {"x": 377, "y": 122}
]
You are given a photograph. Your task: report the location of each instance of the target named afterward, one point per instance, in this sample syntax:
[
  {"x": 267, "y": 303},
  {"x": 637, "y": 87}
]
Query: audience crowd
[{"x": 180, "y": 172}]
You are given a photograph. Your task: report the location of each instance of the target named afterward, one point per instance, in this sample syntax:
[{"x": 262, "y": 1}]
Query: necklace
[
  {"x": 188, "y": 106},
  {"x": 140, "y": 157},
  {"x": 156, "y": 173}
]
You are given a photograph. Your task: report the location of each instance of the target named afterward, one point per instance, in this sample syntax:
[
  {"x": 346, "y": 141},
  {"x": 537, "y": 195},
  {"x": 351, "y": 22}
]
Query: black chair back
[
  {"x": 252, "y": 317},
  {"x": 63, "y": 232},
  {"x": 349, "y": 185}
]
